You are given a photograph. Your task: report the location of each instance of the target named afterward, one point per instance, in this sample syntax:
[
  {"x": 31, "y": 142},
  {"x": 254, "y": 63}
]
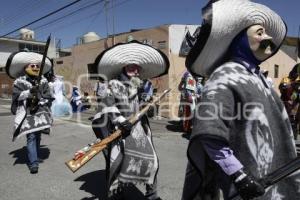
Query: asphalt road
[{"x": 55, "y": 181}]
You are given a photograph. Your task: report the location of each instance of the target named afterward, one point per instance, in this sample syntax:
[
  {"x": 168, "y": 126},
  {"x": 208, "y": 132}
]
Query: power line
[
  {"x": 50, "y": 23},
  {"x": 68, "y": 15},
  {"x": 41, "y": 18},
  {"x": 64, "y": 26},
  {"x": 32, "y": 5}
]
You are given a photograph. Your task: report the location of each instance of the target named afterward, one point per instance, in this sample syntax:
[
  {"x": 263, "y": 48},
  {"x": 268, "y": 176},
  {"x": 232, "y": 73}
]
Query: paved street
[{"x": 55, "y": 181}]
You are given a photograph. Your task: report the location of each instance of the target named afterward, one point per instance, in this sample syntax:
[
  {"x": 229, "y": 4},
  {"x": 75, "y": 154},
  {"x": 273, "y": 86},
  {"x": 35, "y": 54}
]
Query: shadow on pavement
[
  {"x": 133, "y": 193},
  {"x": 94, "y": 183},
  {"x": 174, "y": 126},
  {"x": 186, "y": 135},
  {"x": 3, "y": 114},
  {"x": 21, "y": 154}
]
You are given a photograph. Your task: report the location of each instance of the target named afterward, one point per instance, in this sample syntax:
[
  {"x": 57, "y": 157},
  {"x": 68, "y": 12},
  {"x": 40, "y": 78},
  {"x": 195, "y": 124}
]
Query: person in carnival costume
[
  {"x": 132, "y": 159},
  {"x": 76, "y": 100},
  {"x": 241, "y": 131},
  {"x": 289, "y": 90},
  {"x": 60, "y": 106},
  {"x": 188, "y": 89},
  {"x": 31, "y": 101}
]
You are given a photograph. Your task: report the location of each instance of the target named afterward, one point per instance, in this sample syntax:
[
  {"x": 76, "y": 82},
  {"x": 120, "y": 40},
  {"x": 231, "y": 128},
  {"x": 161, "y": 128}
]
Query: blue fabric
[
  {"x": 33, "y": 147},
  {"x": 61, "y": 109},
  {"x": 199, "y": 88},
  {"x": 75, "y": 92},
  {"x": 76, "y": 101},
  {"x": 240, "y": 51},
  {"x": 222, "y": 154},
  {"x": 148, "y": 90}
]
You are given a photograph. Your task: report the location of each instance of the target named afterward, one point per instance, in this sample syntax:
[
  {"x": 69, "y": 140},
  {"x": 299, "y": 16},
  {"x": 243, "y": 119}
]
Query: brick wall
[{"x": 5, "y": 85}]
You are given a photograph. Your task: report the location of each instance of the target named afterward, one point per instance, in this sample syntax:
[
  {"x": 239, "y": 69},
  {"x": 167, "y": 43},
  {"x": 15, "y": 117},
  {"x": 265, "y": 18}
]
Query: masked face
[
  {"x": 260, "y": 42},
  {"x": 132, "y": 70},
  {"x": 32, "y": 69}
]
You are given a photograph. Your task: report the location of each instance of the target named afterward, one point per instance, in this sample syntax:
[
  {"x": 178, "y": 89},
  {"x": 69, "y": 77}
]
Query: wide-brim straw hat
[
  {"x": 18, "y": 60},
  {"x": 229, "y": 18},
  {"x": 153, "y": 62}
]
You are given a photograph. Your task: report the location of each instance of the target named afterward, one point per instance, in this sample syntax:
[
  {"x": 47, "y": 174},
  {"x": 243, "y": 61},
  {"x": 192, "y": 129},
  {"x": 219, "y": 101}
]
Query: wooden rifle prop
[
  {"x": 85, "y": 154},
  {"x": 35, "y": 100},
  {"x": 278, "y": 174}
]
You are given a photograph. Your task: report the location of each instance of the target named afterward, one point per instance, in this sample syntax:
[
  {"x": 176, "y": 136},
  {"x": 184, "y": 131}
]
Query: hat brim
[
  {"x": 229, "y": 18},
  {"x": 111, "y": 62},
  {"x": 18, "y": 60}
]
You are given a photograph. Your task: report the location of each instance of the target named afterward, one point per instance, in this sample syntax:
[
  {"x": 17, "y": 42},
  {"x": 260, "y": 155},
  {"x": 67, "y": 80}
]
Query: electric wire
[
  {"x": 61, "y": 18},
  {"x": 51, "y": 23},
  {"x": 24, "y": 8},
  {"x": 41, "y": 18},
  {"x": 67, "y": 15},
  {"x": 59, "y": 28}
]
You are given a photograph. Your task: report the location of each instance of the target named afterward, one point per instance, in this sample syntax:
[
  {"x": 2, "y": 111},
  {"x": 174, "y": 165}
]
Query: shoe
[{"x": 34, "y": 170}]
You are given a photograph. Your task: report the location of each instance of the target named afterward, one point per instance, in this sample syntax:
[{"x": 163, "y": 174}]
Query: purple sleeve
[{"x": 221, "y": 153}]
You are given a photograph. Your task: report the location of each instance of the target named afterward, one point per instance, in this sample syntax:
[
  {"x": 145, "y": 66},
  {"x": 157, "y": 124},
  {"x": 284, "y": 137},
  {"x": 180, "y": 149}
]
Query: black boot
[{"x": 34, "y": 169}]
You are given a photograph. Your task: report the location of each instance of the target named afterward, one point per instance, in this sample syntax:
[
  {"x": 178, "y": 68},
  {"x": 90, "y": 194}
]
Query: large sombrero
[
  {"x": 153, "y": 62},
  {"x": 18, "y": 60},
  {"x": 229, "y": 18}
]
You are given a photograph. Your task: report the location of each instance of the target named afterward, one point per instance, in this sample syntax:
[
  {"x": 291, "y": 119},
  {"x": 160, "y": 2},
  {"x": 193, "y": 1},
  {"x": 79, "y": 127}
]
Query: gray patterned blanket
[{"x": 26, "y": 122}]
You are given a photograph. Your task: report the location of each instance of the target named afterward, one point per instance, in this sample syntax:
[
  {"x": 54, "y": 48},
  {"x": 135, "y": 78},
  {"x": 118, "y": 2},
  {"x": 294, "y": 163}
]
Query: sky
[{"x": 90, "y": 15}]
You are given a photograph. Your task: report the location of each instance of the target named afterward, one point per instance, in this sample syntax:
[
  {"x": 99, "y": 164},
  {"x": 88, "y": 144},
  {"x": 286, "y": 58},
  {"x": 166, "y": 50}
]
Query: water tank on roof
[
  {"x": 26, "y": 34},
  {"x": 90, "y": 37}
]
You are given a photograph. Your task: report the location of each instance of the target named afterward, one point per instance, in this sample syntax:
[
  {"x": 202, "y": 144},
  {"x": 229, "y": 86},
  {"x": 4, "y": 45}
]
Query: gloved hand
[
  {"x": 247, "y": 185},
  {"x": 34, "y": 99},
  {"x": 126, "y": 127},
  {"x": 34, "y": 91}
]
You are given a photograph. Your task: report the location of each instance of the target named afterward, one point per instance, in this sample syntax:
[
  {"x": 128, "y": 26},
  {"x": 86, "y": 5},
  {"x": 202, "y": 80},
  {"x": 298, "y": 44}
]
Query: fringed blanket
[
  {"x": 239, "y": 108},
  {"x": 132, "y": 160},
  {"x": 26, "y": 122}
]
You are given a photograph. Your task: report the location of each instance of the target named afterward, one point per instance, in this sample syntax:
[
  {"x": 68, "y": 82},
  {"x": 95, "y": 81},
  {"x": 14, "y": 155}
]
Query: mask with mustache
[{"x": 260, "y": 42}]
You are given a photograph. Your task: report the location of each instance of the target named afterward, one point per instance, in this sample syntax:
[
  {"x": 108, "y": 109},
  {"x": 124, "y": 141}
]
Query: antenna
[
  {"x": 113, "y": 22},
  {"x": 298, "y": 45},
  {"x": 106, "y": 2}
]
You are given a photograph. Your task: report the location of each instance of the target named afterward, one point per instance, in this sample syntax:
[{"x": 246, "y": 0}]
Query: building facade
[
  {"x": 11, "y": 45},
  {"x": 167, "y": 38}
]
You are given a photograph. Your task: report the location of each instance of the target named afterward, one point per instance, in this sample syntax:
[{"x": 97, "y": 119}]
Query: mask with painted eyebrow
[
  {"x": 260, "y": 42},
  {"x": 32, "y": 69}
]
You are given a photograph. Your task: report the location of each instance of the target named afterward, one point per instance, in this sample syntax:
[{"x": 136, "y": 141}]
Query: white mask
[{"x": 260, "y": 42}]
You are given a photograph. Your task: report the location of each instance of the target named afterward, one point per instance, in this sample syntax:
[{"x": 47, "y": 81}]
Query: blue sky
[{"x": 128, "y": 14}]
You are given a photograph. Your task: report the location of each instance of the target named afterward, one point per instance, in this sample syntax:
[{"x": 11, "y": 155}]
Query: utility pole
[
  {"x": 106, "y": 2},
  {"x": 298, "y": 45},
  {"x": 113, "y": 22},
  {"x": 107, "y": 7}
]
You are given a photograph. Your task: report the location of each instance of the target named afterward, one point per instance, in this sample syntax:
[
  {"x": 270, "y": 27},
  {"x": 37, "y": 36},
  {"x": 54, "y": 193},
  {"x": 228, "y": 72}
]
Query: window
[
  {"x": 31, "y": 47},
  {"x": 276, "y": 71},
  {"x": 162, "y": 44},
  {"x": 147, "y": 41},
  {"x": 35, "y": 48},
  {"x": 21, "y": 46},
  {"x": 4, "y": 86}
]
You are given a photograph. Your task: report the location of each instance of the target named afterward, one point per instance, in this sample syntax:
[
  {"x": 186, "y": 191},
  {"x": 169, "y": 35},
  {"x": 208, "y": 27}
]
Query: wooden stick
[{"x": 81, "y": 159}]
